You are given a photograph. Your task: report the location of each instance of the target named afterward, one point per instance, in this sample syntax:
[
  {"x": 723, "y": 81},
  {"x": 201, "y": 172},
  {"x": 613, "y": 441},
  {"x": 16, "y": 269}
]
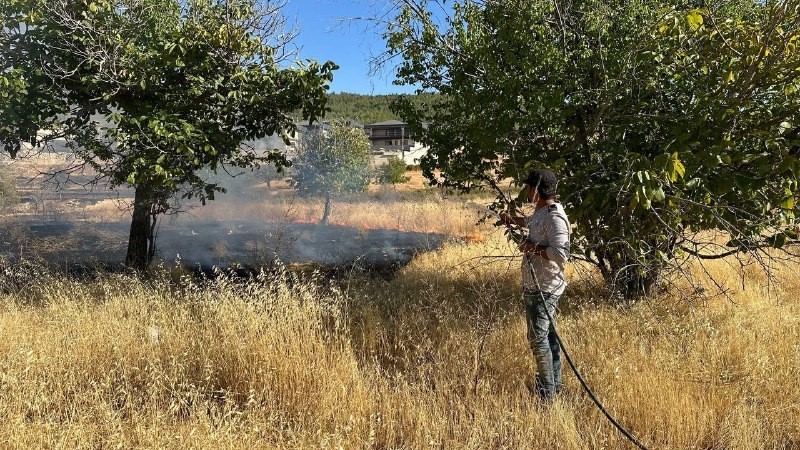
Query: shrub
[
  {"x": 8, "y": 187},
  {"x": 393, "y": 172}
]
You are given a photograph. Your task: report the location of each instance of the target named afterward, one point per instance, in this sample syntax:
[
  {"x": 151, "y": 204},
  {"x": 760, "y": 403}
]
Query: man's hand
[
  {"x": 511, "y": 219},
  {"x": 533, "y": 249}
]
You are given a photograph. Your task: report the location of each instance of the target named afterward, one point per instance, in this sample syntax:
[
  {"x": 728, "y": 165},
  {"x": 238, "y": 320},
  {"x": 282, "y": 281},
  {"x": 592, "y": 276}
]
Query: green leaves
[
  {"x": 787, "y": 202},
  {"x": 162, "y": 96},
  {"x": 657, "y": 119},
  {"x": 647, "y": 189},
  {"x": 695, "y": 20},
  {"x": 789, "y": 164},
  {"x": 182, "y": 84},
  {"x": 675, "y": 168},
  {"x": 392, "y": 172},
  {"x": 332, "y": 159},
  {"x": 659, "y": 195}
]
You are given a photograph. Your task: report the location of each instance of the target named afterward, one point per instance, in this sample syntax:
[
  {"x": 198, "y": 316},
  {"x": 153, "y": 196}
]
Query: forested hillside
[{"x": 368, "y": 108}]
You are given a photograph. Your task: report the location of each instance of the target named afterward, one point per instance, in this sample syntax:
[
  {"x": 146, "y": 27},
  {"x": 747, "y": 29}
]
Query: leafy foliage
[
  {"x": 152, "y": 92},
  {"x": 334, "y": 160},
  {"x": 662, "y": 122},
  {"x": 393, "y": 172}
]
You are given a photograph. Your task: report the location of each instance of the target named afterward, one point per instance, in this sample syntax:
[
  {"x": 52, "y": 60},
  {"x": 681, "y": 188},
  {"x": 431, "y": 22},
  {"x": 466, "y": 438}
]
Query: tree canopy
[
  {"x": 392, "y": 172},
  {"x": 662, "y": 122},
  {"x": 331, "y": 161},
  {"x": 151, "y": 93}
]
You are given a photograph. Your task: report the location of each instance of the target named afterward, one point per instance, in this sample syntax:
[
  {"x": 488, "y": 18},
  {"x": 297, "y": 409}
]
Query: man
[{"x": 546, "y": 250}]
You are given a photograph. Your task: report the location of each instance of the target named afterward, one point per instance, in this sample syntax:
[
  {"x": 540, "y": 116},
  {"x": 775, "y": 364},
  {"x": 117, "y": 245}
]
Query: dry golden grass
[
  {"x": 416, "y": 181},
  {"x": 433, "y": 215},
  {"x": 434, "y": 358},
  {"x": 31, "y": 165},
  {"x": 108, "y": 210}
]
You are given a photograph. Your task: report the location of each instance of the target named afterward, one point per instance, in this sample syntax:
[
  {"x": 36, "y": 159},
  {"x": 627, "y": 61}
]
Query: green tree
[
  {"x": 330, "y": 161},
  {"x": 270, "y": 174},
  {"x": 151, "y": 93},
  {"x": 393, "y": 172},
  {"x": 8, "y": 187},
  {"x": 662, "y": 122}
]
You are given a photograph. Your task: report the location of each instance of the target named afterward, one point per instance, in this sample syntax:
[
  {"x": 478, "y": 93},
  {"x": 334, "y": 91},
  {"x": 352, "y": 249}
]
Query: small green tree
[
  {"x": 392, "y": 172},
  {"x": 330, "y": 161},
  {"x": 152, "y": 93},
  {"x": 8, "y": 187},
  {"x": 271, "y": 174}
]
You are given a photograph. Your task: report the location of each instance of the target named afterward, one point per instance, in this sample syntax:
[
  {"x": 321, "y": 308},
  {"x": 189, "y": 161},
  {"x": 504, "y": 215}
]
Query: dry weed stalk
[{"x": 433, "y": 358}]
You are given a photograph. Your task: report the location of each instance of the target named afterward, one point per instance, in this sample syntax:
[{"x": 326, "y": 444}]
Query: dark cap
[{"x": 543, "y": 181}]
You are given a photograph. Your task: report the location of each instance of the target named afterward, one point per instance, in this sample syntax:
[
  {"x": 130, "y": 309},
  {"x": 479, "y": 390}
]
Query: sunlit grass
[{"x": 433, "y": 358}]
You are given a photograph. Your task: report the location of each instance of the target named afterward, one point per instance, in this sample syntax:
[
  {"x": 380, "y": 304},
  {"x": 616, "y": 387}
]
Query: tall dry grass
[
  {"x": 387, "y": 210},
  {"x": 433, "y": 358}
]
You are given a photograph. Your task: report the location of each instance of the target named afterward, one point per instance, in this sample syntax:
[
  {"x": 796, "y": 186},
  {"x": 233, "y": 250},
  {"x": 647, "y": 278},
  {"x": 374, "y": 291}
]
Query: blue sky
[{"x": 326, "y": 34}]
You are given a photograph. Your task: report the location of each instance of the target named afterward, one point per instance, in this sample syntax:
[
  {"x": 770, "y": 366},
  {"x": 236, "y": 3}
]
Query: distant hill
[{"x": 368, "y": 108}]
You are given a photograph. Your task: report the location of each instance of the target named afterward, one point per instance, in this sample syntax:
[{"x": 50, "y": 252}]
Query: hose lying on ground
[
  {"x": 586, "y": 387},
  {"x": 519, "y": 237}
]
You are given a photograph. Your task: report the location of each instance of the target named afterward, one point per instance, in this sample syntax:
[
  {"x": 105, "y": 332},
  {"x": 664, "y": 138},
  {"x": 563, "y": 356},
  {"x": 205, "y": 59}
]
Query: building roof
[{"x": 386, "y": 123}]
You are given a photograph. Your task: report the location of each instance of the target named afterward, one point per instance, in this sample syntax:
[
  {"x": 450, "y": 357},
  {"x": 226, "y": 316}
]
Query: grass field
[{"x": 433, "y": 357}]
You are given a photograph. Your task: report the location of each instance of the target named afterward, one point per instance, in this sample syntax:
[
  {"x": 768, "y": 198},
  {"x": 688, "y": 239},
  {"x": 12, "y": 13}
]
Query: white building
[{"x": 394, "y": 138}]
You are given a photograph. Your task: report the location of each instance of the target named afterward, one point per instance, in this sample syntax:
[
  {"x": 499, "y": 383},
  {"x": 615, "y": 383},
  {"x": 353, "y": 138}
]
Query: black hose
[
  {"x": 586, "y": 387},
  {"x": 563, "y": 348}
]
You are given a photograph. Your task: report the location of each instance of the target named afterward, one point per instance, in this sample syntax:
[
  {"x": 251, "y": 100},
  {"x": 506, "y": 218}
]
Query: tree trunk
[
  {"x": 634, "y": 284},
  {"x": 326, "y": 215},
  {"x": 629, "y": 279},
  {"x": 141, "y": 245}
]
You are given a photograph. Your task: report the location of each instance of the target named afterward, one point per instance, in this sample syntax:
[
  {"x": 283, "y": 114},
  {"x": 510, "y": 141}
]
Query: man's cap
[{"x": 543, "y": 181}]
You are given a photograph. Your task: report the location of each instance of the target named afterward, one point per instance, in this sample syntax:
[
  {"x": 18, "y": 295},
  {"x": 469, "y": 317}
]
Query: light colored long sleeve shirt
[{"x": 547, "y": 227}]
